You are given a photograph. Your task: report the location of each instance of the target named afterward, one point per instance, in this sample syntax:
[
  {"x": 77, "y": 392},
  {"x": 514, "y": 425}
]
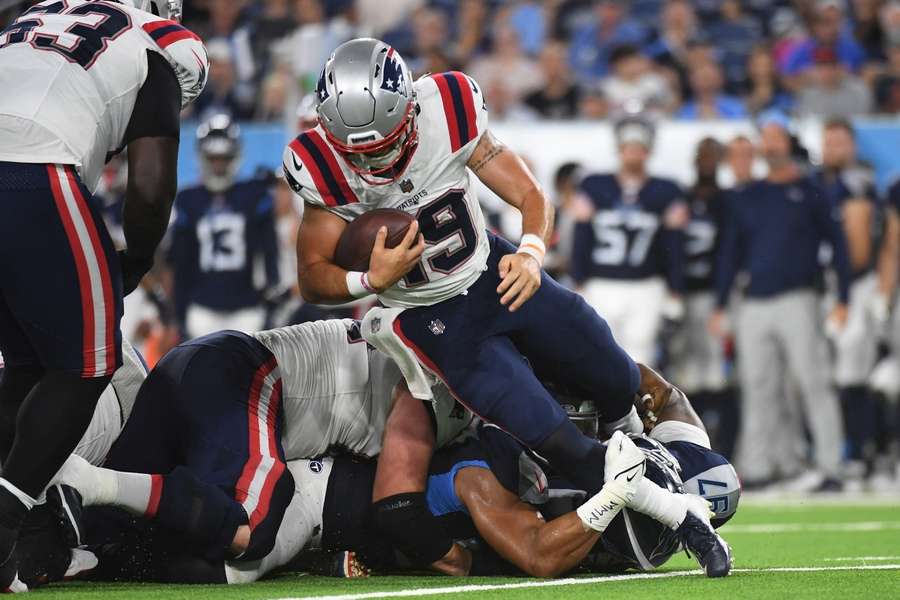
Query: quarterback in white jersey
[
  {"x": 82, "y": 80},
  {"x": 467, "y": 304}
]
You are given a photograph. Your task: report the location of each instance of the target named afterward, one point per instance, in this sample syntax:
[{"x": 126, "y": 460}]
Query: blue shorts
[
  {"x": 494, "y": 360},
  {"x": 213, "y": 406},
  {"x": 60, "y": 284}
]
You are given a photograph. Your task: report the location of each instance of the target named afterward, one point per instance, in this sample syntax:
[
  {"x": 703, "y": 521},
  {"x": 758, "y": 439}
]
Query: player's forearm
[
  {"x": 145, "y": 219},
  {"x": 559, "y": 546},
  {"x": 889, "y": 258},
  {"x": 537, "y": 214},
  {"x": 323, "y": 283}
]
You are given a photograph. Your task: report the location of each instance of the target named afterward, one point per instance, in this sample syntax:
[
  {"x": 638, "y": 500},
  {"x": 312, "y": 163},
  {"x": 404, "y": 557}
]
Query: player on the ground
[
  {"x": 628, "y": 257},
  {"x": 474, "y": 304},
  {"x": 214, "y": 424},
  {"x": 81, "y": 80},
  {"x": 486, "y": 486},
  {"x": 224, "y": 230}
]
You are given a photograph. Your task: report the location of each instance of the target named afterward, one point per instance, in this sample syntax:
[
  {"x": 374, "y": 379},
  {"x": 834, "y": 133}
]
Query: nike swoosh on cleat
[{"x": 297, "y": 165}]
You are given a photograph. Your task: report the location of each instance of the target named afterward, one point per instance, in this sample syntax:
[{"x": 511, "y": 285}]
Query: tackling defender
[
  {"x": 82, "y": 80},
  {"x": 467, "y": 303}
]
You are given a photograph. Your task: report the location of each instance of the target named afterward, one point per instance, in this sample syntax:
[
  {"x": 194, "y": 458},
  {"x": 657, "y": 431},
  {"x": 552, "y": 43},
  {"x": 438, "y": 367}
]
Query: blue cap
[{"x": 774, "y": 117}]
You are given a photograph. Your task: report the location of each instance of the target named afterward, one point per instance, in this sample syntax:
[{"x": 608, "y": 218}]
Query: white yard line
[
  {"x": 824, "y": 527},
  {"x": 859, "y": 558},
  {"x": 461, "y": 589}
]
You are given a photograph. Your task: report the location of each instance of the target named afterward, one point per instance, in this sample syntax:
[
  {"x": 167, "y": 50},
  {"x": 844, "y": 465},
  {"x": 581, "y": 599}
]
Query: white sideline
[
  {"x": 460, "y": 589},
  {"x": 859, "y": 558},
  {"x": 824, "y": 527}
]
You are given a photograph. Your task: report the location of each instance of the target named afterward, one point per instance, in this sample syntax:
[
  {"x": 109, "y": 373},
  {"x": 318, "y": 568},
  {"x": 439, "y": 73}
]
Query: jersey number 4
[
  {"x": 92, "y": 27},
  {"x": 446, "y": 220}
]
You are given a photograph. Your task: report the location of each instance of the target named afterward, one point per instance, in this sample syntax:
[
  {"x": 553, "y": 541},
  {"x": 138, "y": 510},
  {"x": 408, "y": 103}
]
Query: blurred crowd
[{"x": 690, "y": 59}]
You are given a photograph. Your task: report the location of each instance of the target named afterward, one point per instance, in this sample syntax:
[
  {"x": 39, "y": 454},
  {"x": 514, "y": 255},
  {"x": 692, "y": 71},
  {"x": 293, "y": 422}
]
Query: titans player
[
  {"x": 850, "y": 188},
  {"x": 223, "y": 230},
  {"x": 628, "y": 258},
  {"x": 466, "y": 303},
  {"x": 82, "y": 80}
]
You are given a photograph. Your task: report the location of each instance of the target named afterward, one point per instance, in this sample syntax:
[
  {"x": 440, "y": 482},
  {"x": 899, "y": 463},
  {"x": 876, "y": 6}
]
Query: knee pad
[{"x": 205, "y": 515}]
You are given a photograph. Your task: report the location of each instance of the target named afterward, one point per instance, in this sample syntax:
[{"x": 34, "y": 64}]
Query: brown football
[{"x": 354, "y": 248}]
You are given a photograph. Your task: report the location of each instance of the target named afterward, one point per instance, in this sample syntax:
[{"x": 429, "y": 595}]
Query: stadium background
[{"x": 556, "y": 74}]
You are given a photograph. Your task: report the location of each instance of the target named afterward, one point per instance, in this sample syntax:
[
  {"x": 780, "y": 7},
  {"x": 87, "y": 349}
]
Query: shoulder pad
[
  {"x": 313, "y": 172},
  {"x": 464, "y": 107},
  {"x": 185, "y": 52}
]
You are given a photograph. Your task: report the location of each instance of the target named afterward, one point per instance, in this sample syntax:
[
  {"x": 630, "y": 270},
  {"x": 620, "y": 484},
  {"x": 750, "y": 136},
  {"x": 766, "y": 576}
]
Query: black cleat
[{"x": 701, "y": 540}]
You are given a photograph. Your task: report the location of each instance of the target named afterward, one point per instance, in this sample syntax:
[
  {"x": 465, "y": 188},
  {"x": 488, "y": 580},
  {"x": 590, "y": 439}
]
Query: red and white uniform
[
  {"x": 436, "y": 187},
  {"x": 71, "y": 101}
]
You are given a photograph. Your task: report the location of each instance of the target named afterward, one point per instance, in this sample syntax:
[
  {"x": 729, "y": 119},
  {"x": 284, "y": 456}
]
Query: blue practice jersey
[
  {"x": 632, "y": 237},
  {"x": 218, "y": 242},
  {"x": 702, "y": 241}
]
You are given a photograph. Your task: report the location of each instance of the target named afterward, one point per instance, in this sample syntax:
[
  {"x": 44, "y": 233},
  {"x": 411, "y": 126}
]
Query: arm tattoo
[{"x": 493, "y": 148}]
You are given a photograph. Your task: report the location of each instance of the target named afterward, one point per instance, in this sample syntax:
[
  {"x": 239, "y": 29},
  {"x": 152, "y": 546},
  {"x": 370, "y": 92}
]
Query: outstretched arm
[
  {"x": 517, "y": 532},
  {"x": 507, "y": 175}
]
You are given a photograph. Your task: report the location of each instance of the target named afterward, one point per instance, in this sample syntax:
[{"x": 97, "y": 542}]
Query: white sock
[
  {"x": 24, "y": 498},
  {"x": 659, "y": 504},
  {"x": 138, "y": 493}
]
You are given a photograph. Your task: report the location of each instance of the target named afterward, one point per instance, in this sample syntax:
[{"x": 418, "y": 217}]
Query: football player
[
  {"x": 484, "y": 485},
  {"x": 466, "y": 303},
  {"x": 850, "y": 187},
  {"x": 206, "y": 448},
  {"x": 82, "y": 80},
  {"x": 628, "y": 257},
  {"x": 223, "y": 230}
]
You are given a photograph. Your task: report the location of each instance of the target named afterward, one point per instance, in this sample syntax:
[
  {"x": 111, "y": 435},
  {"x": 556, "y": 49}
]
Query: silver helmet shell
[{"x": 365, "y": 101}]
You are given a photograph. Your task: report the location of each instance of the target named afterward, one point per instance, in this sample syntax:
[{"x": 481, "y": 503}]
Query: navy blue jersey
[
  {"x": 631, "y": 237},
  {"x": 853, "y": 183},
  {"x": 702, "y": 241},
  {"x": 773, "y": 232},
  {"x": 218, "y": 240},
  {"x": 893, "y": 196}
]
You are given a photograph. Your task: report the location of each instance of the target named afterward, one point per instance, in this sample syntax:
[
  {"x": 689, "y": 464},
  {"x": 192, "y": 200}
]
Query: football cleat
[{"x": 700, "y": 539}]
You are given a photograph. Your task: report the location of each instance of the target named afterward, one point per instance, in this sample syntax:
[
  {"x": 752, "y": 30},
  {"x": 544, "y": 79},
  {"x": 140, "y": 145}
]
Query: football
[{"x": 354, "y": 248}]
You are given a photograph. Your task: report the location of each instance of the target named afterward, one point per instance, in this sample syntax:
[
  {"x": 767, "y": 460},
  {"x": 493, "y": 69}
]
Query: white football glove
[{"x": 625, "y": 463}]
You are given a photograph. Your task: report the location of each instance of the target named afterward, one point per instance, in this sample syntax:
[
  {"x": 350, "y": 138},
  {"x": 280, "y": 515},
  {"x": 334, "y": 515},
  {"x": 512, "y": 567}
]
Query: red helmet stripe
[{"x": 332, "y": 164}]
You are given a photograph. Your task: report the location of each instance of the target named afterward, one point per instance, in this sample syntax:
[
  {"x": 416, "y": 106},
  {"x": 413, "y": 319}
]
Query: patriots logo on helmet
[
  {"x": 321, "y": 89},
  {"x": 393, "y": 78}
]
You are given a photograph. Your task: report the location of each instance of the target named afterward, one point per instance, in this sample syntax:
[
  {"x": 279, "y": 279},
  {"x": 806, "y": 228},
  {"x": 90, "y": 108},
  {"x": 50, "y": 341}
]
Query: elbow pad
[{"x": 408, "y": 524}]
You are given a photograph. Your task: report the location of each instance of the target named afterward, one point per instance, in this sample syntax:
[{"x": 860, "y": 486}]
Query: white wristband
[
  {"x": 599, "y": 511},
  {"x": 533, "y": 246},
  {"x": 358, "y": 284}
]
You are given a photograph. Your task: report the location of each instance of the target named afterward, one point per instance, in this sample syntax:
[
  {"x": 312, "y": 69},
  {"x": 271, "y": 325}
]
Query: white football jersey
[
  {"x": 337, "y": 391},
  {"x": 72, "y": 71},
  {"x": 436, "y": 187}
]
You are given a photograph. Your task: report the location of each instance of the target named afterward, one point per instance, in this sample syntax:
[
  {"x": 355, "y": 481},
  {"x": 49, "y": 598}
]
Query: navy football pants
[
  {"x": 477, "y": 346},
  {"x": 209, "y": 417}
]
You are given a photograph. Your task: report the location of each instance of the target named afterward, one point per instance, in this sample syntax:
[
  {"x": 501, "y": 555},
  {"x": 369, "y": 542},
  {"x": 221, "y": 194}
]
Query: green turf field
[{"x": 782, "y": 550}]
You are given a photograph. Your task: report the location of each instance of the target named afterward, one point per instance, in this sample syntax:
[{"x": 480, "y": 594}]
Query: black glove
[{"x": 133, "y": 270}]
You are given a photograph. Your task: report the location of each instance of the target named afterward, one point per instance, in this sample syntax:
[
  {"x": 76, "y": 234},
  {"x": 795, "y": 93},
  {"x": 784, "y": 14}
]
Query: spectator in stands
[
  {"x": 507, "y": 66},
  {"x": 228, "y": 22},
  {"x": 275, "y": 21},
  {"x": 887, "y": 83},
  {"x": 299, "y": 57},
  {"x": 708, "y": 101},
  {"x": 634, "y": 86},
  {"x": 739, "y": 157},
  {"x": 735, "y": 35},
  {"x": 830, "y": 91},
  {"x": 220, "y": 94},
  {"x": 558, "y": 97},
  {"x": 672, "y": 47},
  {"x": 765, "y": 89},
  {"x": 829, "y": 31},
  {"x": 593, "y": 105},
  {"x": 431, "y": 37},
  {"x": 609, "y": 28},
  {"x": 527, "y": 17},
  {"x": 382, "y": 16},
  {"x": 471, "y": 25}
]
